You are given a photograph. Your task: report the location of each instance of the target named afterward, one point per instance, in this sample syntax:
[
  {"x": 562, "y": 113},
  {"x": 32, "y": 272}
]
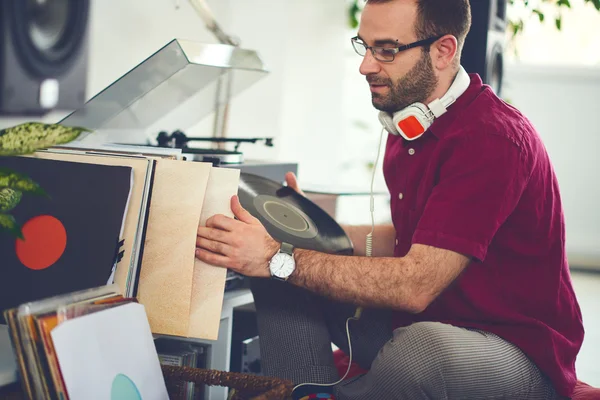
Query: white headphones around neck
[{"x": 413, "y": 121}]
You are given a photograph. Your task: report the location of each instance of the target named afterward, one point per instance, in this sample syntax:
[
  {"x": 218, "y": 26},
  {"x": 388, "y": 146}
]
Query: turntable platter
[{"x": 290, "y": 217}]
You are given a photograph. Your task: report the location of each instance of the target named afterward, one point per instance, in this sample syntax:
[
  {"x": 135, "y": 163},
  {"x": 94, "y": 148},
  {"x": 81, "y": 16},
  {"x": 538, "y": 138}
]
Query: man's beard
[{"x": 416, "y": 86}]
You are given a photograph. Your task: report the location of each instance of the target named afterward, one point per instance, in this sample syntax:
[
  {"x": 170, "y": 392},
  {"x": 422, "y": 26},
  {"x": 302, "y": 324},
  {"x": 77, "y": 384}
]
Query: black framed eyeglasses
[{"x": 388, "y": 54}]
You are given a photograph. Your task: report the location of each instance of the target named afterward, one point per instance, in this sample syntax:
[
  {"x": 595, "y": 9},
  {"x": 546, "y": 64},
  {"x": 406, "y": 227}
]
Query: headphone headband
[{"x": 413, "y": 121}]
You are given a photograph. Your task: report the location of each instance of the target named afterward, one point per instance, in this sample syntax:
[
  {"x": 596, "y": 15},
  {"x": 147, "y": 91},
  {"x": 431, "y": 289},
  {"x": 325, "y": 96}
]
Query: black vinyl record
[{"x": 292, "y": 218}]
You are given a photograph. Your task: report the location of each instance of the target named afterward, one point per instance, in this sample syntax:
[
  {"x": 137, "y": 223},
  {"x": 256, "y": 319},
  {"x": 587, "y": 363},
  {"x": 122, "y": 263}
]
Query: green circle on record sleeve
[{"x": 123, "y": 388}]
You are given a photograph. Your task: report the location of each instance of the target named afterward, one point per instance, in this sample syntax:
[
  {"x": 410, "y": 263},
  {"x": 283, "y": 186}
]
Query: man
[{"x": 468, "y": 294}]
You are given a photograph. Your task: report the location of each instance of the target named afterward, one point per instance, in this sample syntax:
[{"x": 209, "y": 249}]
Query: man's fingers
[
  {"x": 240, "y": 212},
  {"x": 212, "y": 258},
  {"x": 222, "y": 222},
  {"x": 215, "y": 234},
  {"x": 213, "y": 246},
  {"x": 292, "y": 182}
]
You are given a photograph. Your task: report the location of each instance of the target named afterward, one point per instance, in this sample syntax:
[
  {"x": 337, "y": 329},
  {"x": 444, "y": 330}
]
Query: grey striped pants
[{"x": 427, "y": 360}]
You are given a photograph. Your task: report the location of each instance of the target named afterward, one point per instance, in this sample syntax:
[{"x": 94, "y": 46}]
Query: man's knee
[
  {"x": 410, "y": 364},
  {"x": 421, "y": 340},
  {"x": 418, "y": 353}
]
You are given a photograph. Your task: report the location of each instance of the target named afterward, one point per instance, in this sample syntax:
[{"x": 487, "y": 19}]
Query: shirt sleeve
[{"x": 480, "y": 184}]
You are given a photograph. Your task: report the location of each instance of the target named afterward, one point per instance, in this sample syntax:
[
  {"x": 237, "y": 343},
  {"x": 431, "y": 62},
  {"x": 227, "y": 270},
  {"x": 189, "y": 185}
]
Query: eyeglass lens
[{"x": 380, "y": 53}]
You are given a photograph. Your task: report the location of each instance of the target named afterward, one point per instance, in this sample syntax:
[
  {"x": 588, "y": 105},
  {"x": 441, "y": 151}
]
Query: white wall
[{"x": 562, "y": 104}]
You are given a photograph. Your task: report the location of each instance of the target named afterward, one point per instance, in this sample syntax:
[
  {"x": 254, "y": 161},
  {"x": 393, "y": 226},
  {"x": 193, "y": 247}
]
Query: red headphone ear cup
[
  {"x": 411, "y": 127},
  {"x": 412, "y": 122}
]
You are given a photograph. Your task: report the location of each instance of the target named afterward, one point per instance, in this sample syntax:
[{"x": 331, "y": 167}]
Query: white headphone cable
[
  {"x": 369, "y": 245},
  {"x": 369, "y": 253}
]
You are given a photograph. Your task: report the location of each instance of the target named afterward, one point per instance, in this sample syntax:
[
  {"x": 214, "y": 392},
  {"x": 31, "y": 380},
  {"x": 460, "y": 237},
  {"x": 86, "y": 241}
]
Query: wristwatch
[{"x": 282, "y": 265}]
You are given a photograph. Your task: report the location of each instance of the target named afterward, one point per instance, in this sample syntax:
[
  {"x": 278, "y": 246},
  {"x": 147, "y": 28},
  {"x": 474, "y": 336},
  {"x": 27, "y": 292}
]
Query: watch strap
[{"x": 287, "y": 248}]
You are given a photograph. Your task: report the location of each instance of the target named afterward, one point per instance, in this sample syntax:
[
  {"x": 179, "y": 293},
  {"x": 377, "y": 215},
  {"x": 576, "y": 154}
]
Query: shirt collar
[{"x": 441, "y": 124}]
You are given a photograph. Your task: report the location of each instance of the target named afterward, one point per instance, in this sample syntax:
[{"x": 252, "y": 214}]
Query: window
[{"x": 577, "y": 44}]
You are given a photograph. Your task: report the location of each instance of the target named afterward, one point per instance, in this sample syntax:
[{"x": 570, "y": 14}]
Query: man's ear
[{"x": 443, "y": 52}]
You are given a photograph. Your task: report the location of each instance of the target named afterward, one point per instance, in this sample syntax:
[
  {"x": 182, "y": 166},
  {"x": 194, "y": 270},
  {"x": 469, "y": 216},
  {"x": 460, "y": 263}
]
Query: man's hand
[
  {"x": 242, "y": 245},
  {"x": 292, "y": 183}
]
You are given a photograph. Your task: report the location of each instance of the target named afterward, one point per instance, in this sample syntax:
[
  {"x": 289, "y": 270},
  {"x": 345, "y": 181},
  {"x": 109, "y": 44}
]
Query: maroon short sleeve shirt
[{"x": 480, "y": 183}]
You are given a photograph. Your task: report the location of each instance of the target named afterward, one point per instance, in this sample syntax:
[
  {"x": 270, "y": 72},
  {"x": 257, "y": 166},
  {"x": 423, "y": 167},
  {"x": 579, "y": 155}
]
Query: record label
[{"x": 285, "y": 216}]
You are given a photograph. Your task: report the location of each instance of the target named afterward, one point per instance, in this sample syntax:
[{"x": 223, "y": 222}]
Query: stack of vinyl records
[
  {"x": 88, "y": 344},
  {"x": 126, "y": 215}
]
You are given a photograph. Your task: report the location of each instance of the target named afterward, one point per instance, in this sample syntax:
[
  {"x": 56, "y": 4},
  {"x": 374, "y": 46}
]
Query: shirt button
[
  {"x": 411, "y": 152},
  {"x": 396, "y": 242},
  {"x": 400, "y": 196}
]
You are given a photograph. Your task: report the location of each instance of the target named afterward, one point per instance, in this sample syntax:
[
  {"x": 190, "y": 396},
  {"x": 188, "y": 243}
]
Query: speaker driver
[
  {"x": 494, "y": 68},
  {"x": 486, "y": 42},
  {"x": 48, "y": 33},
  {"x": 495, "y": 71},
  {"x": 47, "y": 24}
]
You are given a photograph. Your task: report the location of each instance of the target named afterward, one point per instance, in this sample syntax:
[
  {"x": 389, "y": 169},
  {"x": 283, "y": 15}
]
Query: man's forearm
[
  {"x": 370, "y": 282},
  {"x": 384, "y": 238},
  {"x": 408, "y": 283}
]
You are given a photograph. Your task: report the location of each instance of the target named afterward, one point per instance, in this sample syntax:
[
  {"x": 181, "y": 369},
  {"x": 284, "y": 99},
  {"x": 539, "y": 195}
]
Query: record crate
[{"x": 242, "y": 386}]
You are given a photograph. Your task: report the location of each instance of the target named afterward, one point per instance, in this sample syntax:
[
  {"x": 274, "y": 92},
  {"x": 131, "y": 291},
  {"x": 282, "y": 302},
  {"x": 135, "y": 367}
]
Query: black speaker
[
  {"x": 43, "y": 55},
  {"x": 485, "y": 44}
]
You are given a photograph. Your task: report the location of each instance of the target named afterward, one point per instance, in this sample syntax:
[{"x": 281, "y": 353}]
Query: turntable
[
  {"x": 218, "y": 157},
  {"x": 182, "y": 86}
]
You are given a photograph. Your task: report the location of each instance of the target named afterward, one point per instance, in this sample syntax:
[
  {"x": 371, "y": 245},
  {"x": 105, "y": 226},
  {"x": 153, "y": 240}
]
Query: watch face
[{"x": 282, "y": 265}]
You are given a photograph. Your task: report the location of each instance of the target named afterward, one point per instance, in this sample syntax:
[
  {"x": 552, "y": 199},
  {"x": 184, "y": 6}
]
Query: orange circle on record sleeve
[{"x": 45, "y": 240}]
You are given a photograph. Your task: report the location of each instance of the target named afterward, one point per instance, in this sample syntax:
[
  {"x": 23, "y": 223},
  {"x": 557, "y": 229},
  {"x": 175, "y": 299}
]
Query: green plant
[
  {"x": 515, "y": 26},
  {"x": 21, "y": 140}
]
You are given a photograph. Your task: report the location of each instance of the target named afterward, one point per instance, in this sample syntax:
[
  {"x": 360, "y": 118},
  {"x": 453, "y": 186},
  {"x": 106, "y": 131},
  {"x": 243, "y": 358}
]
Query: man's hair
[{"x": 441, "y": 17}]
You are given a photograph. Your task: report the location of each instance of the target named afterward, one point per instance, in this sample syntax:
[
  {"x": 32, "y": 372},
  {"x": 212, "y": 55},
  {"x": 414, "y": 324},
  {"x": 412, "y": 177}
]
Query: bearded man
[{"x": 468, "y": 293}]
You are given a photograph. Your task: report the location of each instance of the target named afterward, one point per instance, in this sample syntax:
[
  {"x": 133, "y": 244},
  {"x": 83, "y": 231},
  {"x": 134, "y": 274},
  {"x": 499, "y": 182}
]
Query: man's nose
[{"x": 369, "y": 64}]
